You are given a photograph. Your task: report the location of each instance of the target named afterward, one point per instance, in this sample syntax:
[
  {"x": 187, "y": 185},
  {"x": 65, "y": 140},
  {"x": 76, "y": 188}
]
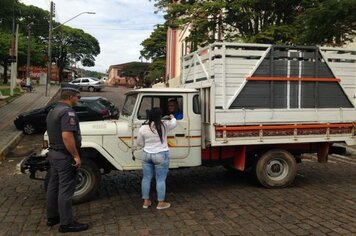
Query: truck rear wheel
[
  {"x": 89, "y": 178},
  {"x": 276, "y": 168}
]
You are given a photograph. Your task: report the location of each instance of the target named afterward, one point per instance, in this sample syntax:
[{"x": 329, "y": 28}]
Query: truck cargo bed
[{"x": 253, "y": 93}]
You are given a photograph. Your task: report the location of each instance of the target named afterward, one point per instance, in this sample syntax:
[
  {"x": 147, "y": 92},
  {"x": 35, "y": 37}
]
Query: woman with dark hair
[{"x": 153, "y": 138}]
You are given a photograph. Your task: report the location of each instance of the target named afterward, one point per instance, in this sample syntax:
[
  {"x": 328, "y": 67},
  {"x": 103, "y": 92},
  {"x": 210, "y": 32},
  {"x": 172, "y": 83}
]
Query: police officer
[{"x": 65, "y": 141}]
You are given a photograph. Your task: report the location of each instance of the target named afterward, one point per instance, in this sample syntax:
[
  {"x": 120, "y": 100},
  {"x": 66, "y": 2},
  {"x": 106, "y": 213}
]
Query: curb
[
  {"x": 350, "y": 151},
  {"x": 347, "y": 149},
  {"x": 10, "y": 145}
]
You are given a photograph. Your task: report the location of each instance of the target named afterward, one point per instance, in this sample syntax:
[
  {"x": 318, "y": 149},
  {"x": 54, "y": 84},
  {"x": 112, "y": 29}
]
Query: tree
[
  {"x": 5, "y": 39},
  {"x": 22, "y": 15},
  {"x": 261, "y": 21},
  {"x": 157, "y": 70},
  {"x": 8, "y": 11},
  {"x": 73, "y": 45},
  {"x": 329, "y": 22},
  {"x": 37, "y": 52},
  {"x": 273, "y": 21},
  {"x": 237, "y": 20},
  {"x": 38, "y": 18},
  {"x": 88, "y": 73},
  {"x": 135, "y": 70},
  {"x": 154, "y": 48}
]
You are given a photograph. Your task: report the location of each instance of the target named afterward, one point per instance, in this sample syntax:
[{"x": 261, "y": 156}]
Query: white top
[{"x": 150, "y": 141}]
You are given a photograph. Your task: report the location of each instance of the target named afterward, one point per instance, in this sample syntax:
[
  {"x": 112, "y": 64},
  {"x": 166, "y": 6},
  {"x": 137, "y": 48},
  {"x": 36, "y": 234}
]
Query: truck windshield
[{"x": 129, "y": 105}]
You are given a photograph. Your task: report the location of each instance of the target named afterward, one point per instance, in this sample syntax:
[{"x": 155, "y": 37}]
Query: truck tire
[
  {"x": 89, "y": 178},
  {"x": 276, "y": 169}
]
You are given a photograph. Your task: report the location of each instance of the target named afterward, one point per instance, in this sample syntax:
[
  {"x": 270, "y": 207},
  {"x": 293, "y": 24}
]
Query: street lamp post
[
  {"x": 49, "y": 62},
  {"x": 84, "y": 12},
  {"x": 49, "y": 55}
]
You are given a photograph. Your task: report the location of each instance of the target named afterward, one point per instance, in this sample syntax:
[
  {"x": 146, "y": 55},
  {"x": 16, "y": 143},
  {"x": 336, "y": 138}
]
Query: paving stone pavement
[
  {"x": 205, "y": 201},
  {"x": 9, "y": 135}
]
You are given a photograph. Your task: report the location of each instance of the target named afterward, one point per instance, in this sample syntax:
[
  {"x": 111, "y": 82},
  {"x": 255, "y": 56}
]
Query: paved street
[
  {"x": 115, "y": 94},
  {"x": 205, "y": 200}
]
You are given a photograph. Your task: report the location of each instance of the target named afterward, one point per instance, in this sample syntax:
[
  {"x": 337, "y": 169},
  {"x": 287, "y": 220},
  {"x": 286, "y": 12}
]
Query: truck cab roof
[{"x": 162, "y": 90}]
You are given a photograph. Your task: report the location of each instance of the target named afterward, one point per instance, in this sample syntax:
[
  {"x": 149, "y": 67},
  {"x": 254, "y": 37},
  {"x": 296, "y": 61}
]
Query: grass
[{"x": 5, "y": 91}]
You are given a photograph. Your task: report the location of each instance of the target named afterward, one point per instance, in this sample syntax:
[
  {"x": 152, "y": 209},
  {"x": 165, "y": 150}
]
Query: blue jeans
[{"x": 157, "y": 163}]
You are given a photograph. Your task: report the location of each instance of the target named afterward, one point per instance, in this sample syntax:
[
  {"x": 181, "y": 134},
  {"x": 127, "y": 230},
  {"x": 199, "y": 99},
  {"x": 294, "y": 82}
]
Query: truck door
[{"x": 177, "y": 138}]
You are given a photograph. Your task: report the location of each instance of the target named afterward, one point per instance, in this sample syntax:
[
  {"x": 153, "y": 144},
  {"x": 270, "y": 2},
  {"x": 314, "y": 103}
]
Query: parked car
[
  {"x": 87, "y": 109},
  {"x": 89, "y": 83}
]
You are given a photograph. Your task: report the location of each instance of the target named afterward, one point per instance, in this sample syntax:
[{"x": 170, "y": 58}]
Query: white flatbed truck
[{"x": 246, "y": 106}]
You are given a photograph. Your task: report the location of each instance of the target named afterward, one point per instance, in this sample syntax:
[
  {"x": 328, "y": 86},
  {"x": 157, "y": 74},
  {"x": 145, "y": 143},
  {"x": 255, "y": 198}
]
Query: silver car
[{"x": 89, "y": 83}]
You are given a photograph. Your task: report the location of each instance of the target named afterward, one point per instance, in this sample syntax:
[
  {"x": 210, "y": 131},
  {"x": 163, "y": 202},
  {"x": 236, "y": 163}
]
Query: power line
[
  {"x": 89, "y": 27},
  {"x": 146, "y": 23},
  {"x": 118, "y": 29}
]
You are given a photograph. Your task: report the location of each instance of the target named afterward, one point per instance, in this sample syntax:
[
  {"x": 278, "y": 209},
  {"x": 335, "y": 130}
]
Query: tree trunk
[
  {"x": 60, "y": 65},
  {"x": 5, "y": 72},
  {"x": 60, "y": 72}
]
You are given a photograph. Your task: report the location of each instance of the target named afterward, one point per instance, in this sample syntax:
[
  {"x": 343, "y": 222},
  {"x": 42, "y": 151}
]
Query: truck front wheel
[
  {"x": 88, "y": 181},
  {"x": 276, "y": 168}
]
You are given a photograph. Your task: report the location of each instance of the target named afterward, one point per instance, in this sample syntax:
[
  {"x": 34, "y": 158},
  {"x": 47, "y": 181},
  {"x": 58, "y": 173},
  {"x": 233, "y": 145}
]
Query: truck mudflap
[{"x": 33, "y": 164}]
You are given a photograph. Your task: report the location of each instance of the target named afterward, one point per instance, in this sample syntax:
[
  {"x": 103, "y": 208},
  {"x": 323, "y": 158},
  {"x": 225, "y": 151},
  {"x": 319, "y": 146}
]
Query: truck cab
[
  {"x": 111, "y": 144},
  {"x": 184, "y": 141}
]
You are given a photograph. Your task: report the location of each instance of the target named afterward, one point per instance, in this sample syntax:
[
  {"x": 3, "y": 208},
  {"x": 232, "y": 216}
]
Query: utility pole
[
  {"x": 49, "y": 62},
  {"x": 28, "y": 77},
  {"x": 14, "y": 64},
  {"x": 12, "y": 50}
]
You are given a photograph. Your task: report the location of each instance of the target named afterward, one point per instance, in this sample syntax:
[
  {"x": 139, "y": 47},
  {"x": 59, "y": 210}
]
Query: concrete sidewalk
[{"x": 9, "y": 135}]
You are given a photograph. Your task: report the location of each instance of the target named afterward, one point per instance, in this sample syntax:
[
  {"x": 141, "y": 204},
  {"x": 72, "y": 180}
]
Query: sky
[{"x": 119, "y": 25}]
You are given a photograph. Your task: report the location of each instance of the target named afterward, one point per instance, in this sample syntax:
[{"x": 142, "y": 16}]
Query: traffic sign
[{"x": 11, "y": 59}]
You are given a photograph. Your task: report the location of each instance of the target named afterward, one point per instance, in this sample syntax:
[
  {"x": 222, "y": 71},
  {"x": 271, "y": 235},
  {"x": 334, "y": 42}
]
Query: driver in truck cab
[{"x": 173, "y": 109}]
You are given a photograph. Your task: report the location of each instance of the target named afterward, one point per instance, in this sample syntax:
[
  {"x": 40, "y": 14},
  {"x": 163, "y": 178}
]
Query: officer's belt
[{"x": 63, "y": 150}]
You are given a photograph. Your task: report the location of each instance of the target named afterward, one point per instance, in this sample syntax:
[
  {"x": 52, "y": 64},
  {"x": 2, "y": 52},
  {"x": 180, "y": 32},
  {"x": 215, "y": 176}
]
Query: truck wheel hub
[
  {"x": 277, "y": 169},
  {"x": 83, "y": 182}
]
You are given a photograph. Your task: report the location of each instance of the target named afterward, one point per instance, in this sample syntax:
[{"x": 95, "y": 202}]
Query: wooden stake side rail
[
  {"x": 296, "y": 126},
  {"x": 284, "y": 130}
]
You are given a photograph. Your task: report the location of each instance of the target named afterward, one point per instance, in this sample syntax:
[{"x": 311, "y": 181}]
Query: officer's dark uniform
[{"x": 63, "y": 174}]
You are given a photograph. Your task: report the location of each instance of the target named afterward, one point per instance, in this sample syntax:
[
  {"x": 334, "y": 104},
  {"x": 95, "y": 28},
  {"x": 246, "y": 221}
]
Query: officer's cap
[{"x": 70, "y": 87}]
